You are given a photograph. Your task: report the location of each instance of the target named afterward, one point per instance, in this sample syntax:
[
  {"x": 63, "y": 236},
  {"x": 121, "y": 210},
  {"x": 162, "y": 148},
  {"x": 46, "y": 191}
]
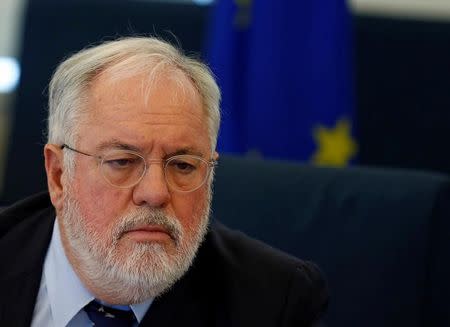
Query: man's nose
[{"x": 152, "y": 190}]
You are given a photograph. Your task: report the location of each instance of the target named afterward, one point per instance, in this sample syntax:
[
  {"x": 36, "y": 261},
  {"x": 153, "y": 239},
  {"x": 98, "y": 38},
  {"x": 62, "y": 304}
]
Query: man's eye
[
  {"x": 120, "y": 163},
  {"x": 182, "y": 166}
]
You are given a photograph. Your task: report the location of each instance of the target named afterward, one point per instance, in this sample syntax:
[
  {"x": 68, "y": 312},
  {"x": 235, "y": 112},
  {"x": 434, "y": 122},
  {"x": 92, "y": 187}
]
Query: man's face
[{"x": 129, "y": 244}]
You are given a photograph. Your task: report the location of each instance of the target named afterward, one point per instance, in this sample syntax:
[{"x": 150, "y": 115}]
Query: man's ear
[
  {"x": 216, "y": 155},
  {"x": 54, "y": 167}
]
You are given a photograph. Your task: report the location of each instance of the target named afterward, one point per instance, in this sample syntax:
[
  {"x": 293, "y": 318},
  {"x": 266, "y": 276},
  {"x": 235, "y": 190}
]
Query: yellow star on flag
[{"x": 335, "y": 146}]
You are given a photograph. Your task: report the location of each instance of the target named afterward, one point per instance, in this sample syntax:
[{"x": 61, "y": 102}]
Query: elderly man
[{"x": 123, "y": 236}]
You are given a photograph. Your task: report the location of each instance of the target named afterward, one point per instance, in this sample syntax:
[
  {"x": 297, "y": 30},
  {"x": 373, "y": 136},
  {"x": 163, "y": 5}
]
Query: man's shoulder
[
  {"x": 25, "y": 231},
  {"x": 293, "y": 290},
  {"x": 25, "y": 211},
  {"x": 243, "y": 252}
]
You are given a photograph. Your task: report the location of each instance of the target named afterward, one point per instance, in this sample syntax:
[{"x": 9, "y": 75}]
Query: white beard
[{"x": 135, "y": 273}]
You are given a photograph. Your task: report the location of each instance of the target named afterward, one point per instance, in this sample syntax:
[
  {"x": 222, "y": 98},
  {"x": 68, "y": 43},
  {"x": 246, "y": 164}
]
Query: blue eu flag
[{"x": 284, "y": 68}]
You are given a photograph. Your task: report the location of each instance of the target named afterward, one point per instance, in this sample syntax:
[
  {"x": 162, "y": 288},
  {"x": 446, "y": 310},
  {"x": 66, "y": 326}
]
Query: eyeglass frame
[{"x": 211, "y": 164}]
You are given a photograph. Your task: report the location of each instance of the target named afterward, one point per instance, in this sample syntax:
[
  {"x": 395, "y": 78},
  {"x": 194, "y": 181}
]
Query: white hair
[{"x": 68, "y": 89}]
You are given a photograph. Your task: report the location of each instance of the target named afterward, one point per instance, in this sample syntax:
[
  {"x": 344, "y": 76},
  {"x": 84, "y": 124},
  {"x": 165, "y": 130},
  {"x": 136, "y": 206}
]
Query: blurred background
[{"x": 326, "y": 82}]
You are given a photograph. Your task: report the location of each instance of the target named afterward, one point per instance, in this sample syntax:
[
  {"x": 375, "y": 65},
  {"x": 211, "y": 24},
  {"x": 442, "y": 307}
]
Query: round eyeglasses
[{"x": 125, "y": 169}]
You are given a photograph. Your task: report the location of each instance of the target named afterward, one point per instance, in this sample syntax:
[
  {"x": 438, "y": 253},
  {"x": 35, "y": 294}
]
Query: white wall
[
  {"x": 417, "y": 9},
  {"x": 11, "y": 23},
  {"x": 11, "y": 15}
]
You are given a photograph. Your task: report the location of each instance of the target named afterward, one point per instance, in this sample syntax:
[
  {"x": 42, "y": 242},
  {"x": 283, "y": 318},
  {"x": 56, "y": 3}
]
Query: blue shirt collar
[{"x": 66, "y": 293}]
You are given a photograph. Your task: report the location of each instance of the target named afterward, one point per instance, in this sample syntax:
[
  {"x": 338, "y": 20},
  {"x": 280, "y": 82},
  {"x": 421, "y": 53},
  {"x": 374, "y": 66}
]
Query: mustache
[{"x": 144, "y": 217}]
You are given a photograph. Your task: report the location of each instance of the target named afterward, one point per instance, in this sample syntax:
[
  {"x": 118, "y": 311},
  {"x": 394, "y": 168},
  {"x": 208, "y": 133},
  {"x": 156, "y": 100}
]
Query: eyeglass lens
[{"x": 183, "y": 172}]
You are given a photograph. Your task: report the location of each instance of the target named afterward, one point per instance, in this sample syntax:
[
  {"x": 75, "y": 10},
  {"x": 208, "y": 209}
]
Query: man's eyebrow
[
  {"x": 118, "y": 145},
  {"x": 187, "y": 150}
]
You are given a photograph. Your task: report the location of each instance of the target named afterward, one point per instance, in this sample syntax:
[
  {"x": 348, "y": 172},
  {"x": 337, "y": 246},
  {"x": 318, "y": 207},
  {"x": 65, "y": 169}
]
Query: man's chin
[{"x": 145, "y": 245}]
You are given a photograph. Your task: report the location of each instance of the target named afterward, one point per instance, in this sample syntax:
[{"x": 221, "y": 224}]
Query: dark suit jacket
[{"x": 234, "y": 280}]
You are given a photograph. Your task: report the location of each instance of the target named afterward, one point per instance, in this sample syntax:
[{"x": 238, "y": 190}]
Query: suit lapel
[
  {"x": 18, "y": 299},
  {"x": 177, "y": 307},
  {"x": 196, "y": 299}
]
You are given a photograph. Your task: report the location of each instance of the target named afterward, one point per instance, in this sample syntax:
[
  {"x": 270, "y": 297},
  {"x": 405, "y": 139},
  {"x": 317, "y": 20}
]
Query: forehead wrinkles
[
  {"x": 152, "y": 72},
  {"x": 164, "y": 84},
  {"x": 118, "y": 104},
  {"x": 178, "y": 88}
]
